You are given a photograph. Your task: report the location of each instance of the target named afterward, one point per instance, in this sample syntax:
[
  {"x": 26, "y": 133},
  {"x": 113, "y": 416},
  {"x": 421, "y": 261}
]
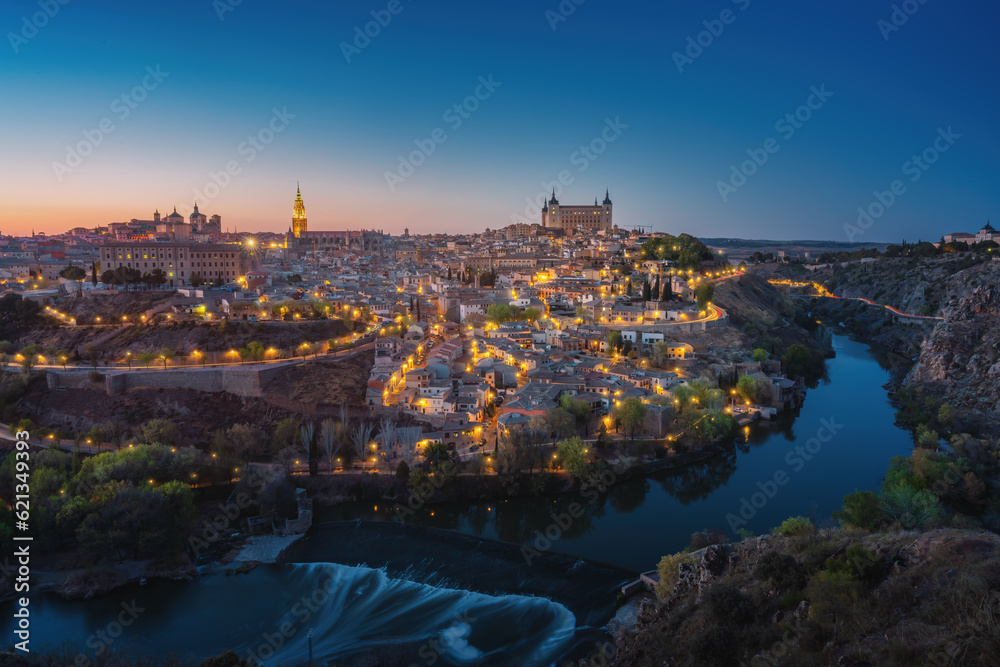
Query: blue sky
[{"x": 556, "y": 85}]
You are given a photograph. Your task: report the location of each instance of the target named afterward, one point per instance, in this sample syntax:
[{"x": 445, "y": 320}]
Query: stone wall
[{"x": 238, "y": 380}]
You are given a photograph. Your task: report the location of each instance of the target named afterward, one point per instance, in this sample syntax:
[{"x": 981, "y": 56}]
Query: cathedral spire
[{"x": 299, "y": 220}]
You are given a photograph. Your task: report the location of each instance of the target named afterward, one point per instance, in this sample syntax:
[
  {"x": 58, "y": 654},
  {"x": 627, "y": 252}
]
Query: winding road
[{"x": 821, "y": 292}]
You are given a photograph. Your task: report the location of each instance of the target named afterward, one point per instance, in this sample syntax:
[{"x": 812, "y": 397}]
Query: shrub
[
  {"x": 707, "y": 538},
  {"x": 910, "y": 508},
  {"x": 668, "y": 571},
  {"x": 727, "y": 604},
  {"x": 794, "y": 526},
  {"x": 774, "y": 566},
  {"x": 861, "y": 510},
  {"x": 831, "y": 594},
  {"x": 715, "y": 646},
  {"x": 403, "y": 471}
]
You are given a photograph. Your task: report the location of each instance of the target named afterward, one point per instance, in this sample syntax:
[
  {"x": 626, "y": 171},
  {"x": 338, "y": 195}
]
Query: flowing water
[{"x": 487, "y": 583}]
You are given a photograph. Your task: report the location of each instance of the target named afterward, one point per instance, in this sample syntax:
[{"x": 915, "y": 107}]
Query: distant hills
[{"x": 739, "y": 248}]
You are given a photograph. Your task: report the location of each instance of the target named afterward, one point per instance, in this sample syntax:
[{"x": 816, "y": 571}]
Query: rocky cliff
[
  {"x": 957, "y": 358},
  {"x": 960, "y": 358}
]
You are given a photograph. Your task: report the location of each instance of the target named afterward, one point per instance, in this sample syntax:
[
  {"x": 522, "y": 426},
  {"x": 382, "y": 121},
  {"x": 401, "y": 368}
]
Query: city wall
[{"x": 248, "y": 381}]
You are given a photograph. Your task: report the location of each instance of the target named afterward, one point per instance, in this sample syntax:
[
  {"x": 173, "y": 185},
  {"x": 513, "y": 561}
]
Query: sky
[{"x": 455, "y": 117}]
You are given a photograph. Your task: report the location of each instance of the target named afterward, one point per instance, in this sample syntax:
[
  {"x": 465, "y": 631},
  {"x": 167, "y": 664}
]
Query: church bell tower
[{"x": 299, "y": 215}]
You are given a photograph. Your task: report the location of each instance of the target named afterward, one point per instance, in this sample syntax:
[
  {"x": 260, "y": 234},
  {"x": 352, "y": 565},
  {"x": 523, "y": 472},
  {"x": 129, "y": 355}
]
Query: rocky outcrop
[{"x": 960, "y": 358}]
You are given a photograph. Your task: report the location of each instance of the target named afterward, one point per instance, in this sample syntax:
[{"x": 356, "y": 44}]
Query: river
[{"x": 452, "y": 598}]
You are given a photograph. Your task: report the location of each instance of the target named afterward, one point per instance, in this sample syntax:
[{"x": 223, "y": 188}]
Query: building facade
[
  {"x": 577, "y": 219},
  {"x": 178, "y": 261}
]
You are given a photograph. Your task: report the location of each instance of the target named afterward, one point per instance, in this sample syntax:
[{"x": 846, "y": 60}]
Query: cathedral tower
[{"x": 299, "y": 215}]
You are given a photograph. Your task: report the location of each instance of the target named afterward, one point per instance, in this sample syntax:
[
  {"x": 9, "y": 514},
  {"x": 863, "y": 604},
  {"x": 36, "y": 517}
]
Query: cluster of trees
[
  {"x": 700, "y": 406},
  {"x": 686, "y": 251},
  {"x": 616, "y": 343},
  {"x": 498, "y": 313},
  {"x": 18, "y": 315},
  {"x": 652, "y": 292},
  {"x": 135, "y": 503}
]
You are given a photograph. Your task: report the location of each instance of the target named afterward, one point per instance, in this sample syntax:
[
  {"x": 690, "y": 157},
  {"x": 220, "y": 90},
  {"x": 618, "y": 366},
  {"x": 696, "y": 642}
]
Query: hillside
[
  {"x": 765, "y": 315},
  {"x": 831, "y": 597},
  {"x": 955, "y": 359}
]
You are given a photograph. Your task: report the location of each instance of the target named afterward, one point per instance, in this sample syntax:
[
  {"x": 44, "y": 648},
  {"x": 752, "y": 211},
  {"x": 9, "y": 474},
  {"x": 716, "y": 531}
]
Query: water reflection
[{"x": 636, "y": 521}]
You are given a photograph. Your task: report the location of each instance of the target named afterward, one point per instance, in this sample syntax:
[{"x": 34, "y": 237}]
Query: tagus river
[{"x": 453, "y": 586}]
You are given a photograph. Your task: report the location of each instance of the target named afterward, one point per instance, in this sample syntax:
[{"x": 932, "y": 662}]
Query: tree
[
  {"x": 631, "y": 413},
  {"x": 93, "y": 274},
  {"x": 116, "y": 432},
  {"x": 331, "y": 443},
  {"x": 158, "y": 432},
  {"x": 246, "y": 441},
  {"x": 756, "y": 390},
  {"x": 498, "y": 313},
  {"x": 668, "y": 292},
  {"x": 573, "y": 454},
  {"x": 703, "y": 293},
  {"x": 861, "y": 510},
  {"x": 62, "y": 356},
  {"x": 109, "y": 277},
  {"x": 615, "y": 342},
  {"x": 910, "y": 508},
  {"x": 254, "y": 351},
  {"x": 475, "y": 320},
  {"x": 799, "y": 360},
  {"x": 157, "y": 278},
  {"x": 74, "y": 273},
  {"x": 408, "y": 438},
  {"x": 29, "y": 357},
  {"x": 647, "y": 292},
  {"x": 166, "y": 354},
  {"x": 387, "y": 434},
  {"x": 361, "y": 435},
  {"x": 306, "y": 433},
  {"x": 560, "y": 423},
  {"x": 579, "y": 408},
  {"x": 146, "y": 358},
  {"x": 760, "y": 354},
  {"x": 531, "y": 314},
  {"x": 196, "y": 280}
]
